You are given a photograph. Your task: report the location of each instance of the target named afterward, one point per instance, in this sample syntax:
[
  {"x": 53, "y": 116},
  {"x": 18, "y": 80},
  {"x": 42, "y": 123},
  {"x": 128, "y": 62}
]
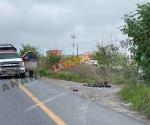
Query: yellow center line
[{"x": 48, "y": 111}]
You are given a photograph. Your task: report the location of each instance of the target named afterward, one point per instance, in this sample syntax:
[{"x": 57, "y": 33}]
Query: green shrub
[
  {"x": 66, "y": 76},
  {"x": 43, "y": 72},
  {"x": 71, "y": 77},
  {"x": 120, "y": 81},
  {"x": 139, "y": 96}
]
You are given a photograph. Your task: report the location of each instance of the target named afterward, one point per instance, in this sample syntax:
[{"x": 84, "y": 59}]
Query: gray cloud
[{"x": 49, "y": 23}]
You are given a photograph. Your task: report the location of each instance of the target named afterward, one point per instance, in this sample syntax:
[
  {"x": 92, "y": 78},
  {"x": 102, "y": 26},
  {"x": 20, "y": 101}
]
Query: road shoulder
[{"x": 104, "y": 96}]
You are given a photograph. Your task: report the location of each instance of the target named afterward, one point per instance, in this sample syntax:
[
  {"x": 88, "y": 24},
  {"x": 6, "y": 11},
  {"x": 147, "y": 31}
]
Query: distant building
[{"x": 54, "y": 52}]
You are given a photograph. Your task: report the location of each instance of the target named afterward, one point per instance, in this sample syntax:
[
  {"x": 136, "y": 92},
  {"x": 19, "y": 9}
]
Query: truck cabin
[
  {"x": 7, "y": 47},
  {"x": 10, "y": 61}
]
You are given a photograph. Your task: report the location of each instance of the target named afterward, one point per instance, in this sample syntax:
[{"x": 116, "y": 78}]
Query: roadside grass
[
  {"x": 62, "y": 75},
  {"x": 119, "y": 81},
  {"x": 138, "y": 96},
  {"x": 135, "y": 92}
]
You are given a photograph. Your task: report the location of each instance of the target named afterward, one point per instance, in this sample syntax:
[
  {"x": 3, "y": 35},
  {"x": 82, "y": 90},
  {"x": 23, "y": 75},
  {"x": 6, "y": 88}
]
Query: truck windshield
[{"x": 9, "y": 55}]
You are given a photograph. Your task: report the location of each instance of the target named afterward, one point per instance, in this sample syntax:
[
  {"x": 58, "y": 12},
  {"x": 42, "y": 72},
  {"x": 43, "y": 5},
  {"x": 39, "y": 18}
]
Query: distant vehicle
[
  {"x": 30, "y": 62},
  {"x": 92, "y": 62},
  {"x": 10, "y": 62}
]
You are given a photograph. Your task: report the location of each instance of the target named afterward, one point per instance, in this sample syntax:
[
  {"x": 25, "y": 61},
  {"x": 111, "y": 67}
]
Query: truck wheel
[
  {"x": 22, "y": 75},
  {"x": 16, "y": 75},
  {"x": 31, "y": 73}
]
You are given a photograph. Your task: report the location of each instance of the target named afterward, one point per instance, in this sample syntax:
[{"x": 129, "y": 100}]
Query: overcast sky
[{"x": 50, "y": 23}]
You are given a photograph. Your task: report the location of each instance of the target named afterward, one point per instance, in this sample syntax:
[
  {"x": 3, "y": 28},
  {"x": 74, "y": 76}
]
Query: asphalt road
[{"x": 18, "y": 106}]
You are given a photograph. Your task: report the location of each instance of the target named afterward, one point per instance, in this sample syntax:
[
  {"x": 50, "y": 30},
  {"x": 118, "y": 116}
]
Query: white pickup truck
[{"x": 10, "y": 62}]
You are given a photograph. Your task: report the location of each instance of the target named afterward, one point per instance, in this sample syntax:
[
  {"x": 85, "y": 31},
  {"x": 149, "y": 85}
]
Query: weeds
[
  {"x": 64, "y": 76},
  {"x": 139, "y": 96},
  {"x": 120, "y": 81}
]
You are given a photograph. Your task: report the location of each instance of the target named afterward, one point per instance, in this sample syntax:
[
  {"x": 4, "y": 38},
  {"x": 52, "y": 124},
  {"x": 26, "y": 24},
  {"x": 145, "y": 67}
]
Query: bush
[
  {"x": 43, "y": 72},
  {"x": 120, "y": 81},
  {"x": 52, "y": 59},
  {"x": 136, "y": 27},
  {"x": 71, "y": 77},
  {"x": 66, "y": 76},
  {"x": 139, "y": 96}
]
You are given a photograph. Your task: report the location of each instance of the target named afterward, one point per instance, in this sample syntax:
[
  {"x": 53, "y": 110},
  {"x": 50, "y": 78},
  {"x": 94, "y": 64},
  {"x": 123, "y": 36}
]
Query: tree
[
  {"x": 109, "y": 59},
  {"x": 27, "y": 47},
  {"x": 52, "y": 59},
  {"x": 107, "y": 56},
  {"x": 137, "y": 27}
]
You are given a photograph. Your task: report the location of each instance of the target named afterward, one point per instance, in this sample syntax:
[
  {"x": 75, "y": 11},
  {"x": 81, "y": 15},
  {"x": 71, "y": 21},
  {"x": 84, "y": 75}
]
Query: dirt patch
[{"x": 104, "y": 96}]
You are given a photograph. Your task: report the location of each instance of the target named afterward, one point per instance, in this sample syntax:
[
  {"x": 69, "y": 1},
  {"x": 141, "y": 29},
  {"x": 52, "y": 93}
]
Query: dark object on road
[
  {"x": 98, "y": 84},
  {"x": 75, "y": 90}
]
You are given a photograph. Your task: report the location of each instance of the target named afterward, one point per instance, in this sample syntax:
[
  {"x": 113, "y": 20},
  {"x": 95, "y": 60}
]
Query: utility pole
[
  {"x": 102, "y": 39},
  {"x": 111, "y": 37},
  {"x": 73, "y": 43},
  {"x": 77, "y": 50}
]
